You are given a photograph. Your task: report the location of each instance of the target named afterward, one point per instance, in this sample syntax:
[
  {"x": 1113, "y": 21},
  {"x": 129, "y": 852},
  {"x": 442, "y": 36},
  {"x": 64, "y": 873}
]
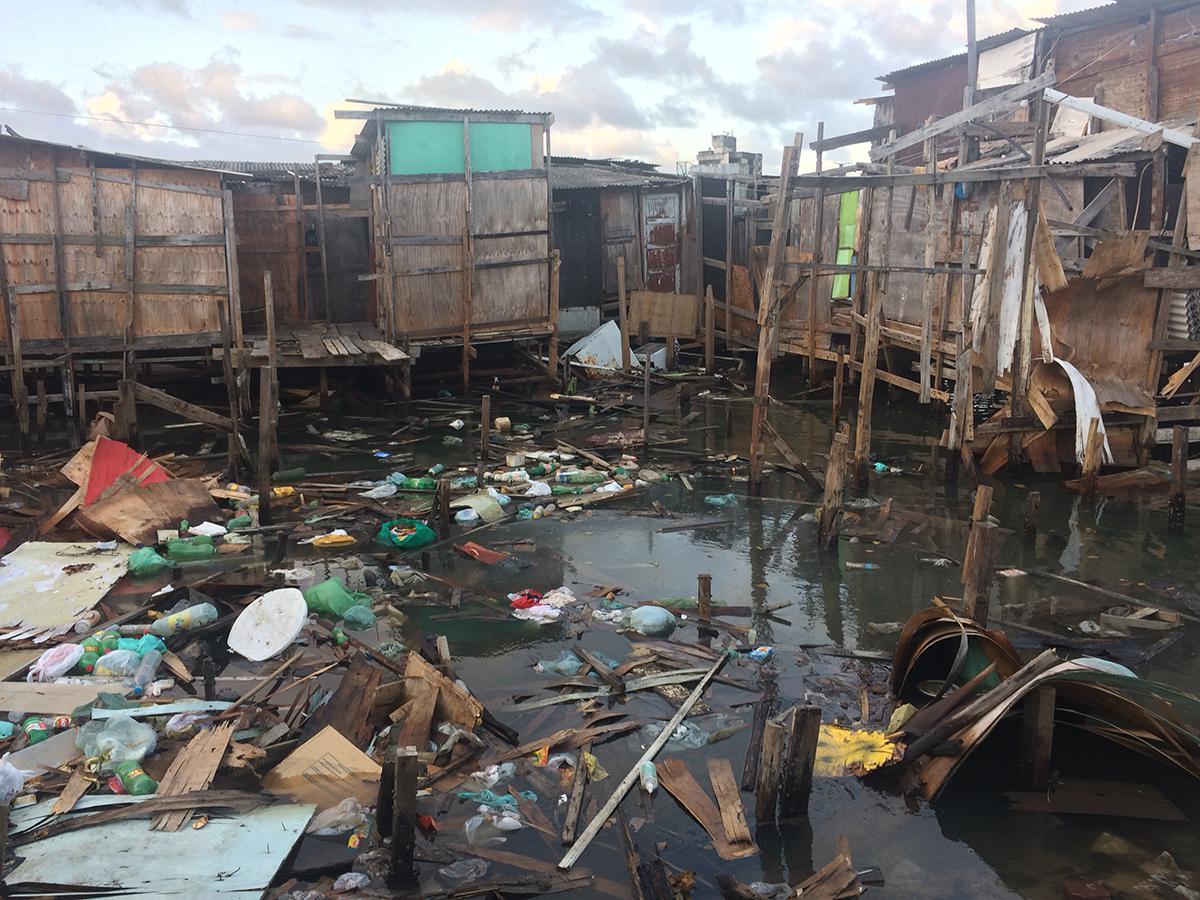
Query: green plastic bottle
[
  {"x": 580, "y": 477},
  {"x": 134, "y": 778},
  {"x": 108, "y": 641},
  {"x": 87, "y": 662},
  {"x": 419, "y": 484},
  {"x": 184, "y": 620},
  {"x": 199, "y": 546},
  {"x": 91, "y": 644},
  {"x": 35, "y": 729},
  {"x": 239, "y": 522},
  {"x": 289, "y": 476}
]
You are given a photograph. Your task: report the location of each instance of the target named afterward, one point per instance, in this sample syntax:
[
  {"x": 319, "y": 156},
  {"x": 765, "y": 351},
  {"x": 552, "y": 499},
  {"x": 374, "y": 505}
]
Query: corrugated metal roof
[
  {"x": 1111, "y": 12},
  {"x": 466, "y": 111},
  {"x": 582, "y": 177},
  {"x": 153, "y": 160},
  {"x": 986, "y": 43},
  {"x": 275, "y": 171}
]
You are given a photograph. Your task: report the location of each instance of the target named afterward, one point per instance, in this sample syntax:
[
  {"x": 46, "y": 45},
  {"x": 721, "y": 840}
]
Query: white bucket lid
[{"x": 269, "y": 625}]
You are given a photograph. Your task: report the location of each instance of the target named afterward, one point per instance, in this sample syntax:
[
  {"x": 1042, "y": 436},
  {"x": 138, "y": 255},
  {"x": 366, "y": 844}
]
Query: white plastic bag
[
  {"x": 538, "y": 489},
  {"x": 55, "y": 662},
  {"x": 12, "y": 780},
  {"x": 208, "y": 529}
]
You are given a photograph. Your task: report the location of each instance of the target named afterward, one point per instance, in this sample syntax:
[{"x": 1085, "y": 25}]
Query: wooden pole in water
[
  {"x": 1091, "y": 458},
  {"x": 710, "y": 331},
  {"x": 443, "y": 507},
  {"x": 1033, "y": 504},
  {"x": 485, "y": 421},
  {"x": 404, "y": 810},
  {"x": 830, "y": 519},
  {"x": 623, "y": 316},
  {"x": 982, "y": 548},
  {"x": 1037, "y": 737},
  {"x": 839, "y": 382},
  {"x": 646, "y": 399},
  {"x": 267, "y": 400},
  {"x": 770, "y": 767},
  {"x": 1178, "y": 500},
  {"x": 704, "y": 596},
  {"x": 805, "y": 731}
]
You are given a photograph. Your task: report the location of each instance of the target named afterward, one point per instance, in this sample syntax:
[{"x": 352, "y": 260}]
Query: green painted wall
[
  {"x": 436, "y": 148},
  {"x": 847, "y": 228}
]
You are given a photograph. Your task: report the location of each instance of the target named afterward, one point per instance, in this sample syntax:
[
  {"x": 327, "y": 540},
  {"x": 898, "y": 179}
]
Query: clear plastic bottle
[
  {"x": 146, "y": 671},
  {"x": 185, "y": 620},
  {"x": 649, "y": 777}
]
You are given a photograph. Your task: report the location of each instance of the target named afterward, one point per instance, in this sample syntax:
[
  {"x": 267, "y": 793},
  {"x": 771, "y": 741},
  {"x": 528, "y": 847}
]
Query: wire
[{"x": 268, "y": 137}]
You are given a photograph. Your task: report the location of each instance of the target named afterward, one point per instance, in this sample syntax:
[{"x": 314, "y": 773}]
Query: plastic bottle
[
  {"x": 108, "y": 641},
  {"x": 289, "y": 476},
  {"x": 91, "y": 644},
  {"x": 145, "y": 672},
  {"x": 436, "y": 469},
  {"x": 87, "y": 662},
  {"x": 61, "y": 723},
  {"x": 546, "y": 468},
  {"x": 35, "y": 729},
  {"x": 580, "y": 477},
  {"x": 239, "y": 488},
  {"x": 7, "y": 730},
  {"x": 185, "y": 620},
  {"x": 862, "y": 565},
  {"x": 134, "y": 778},
  {"x": 242, "y": 521},
  {"x": 134, "y": 631},
  {"x": 192, "y": 548},
  {"x": 649, "y": 777},
  {"x": 516, "y": 476},
  {"x": 418, "y": 484}
]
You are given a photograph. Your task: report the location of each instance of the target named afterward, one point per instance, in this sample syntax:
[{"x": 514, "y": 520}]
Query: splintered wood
[
  {"x": 192, "y": 770},
  {"x": 674, "y": 776}
]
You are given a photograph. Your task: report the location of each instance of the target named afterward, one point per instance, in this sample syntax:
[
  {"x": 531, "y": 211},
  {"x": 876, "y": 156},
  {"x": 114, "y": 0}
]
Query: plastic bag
[
  {"x": 145, "y": 561},
  {"x": 559, "y": 597},
  {"x": 652, "y": 621},
  {"x": 350, "y": 881},
  {"x": 496, "y": 801},
  {"x": 358, "y": 618},
  {"x": 380, "y": 491},
  {"x": 542, "y": 614},
  {"x": 410, "y": 534},
  {"x": 192, "y": 548},
  {"x": 465, "y": 871},
  {"x": 567, "y": 664},
  {"x": 494, "y": 775},
  {"x": 538, "y": 489},
  {"x": 525, "y": 598},
  {"x": 183, "y": 725},
  {"x": 331, "y": 598},
  {"x": 118, "y": 664},
  {"x": 208, "y": 529},
  {"x": 686, "y": 736},
  {"x": 466, "y": 516},
  {"x": 12, "y": 780},
  {"x": 119, "y": 739},
  {"x": 482, "y": 833},
  {"x": 720, "y": 500},
  {"x": 55, "y": 662},
  {"x": 346, "y": 816}
]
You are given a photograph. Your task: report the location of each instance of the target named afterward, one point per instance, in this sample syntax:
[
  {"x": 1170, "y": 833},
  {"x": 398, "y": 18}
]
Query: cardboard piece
[
  {"x": 325, "y": 770},
  {"x": 136, "y": 513},
  {"x": 49, "y": 584}
]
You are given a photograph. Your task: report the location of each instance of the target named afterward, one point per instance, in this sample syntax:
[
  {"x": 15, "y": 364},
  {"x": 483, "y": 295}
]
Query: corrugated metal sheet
[
  {"x": 986, "y": 43},
  {"x": 573, "y": 178},
  {"x": 1111, "y": 12},
  {"x": 274, "y": 170}
]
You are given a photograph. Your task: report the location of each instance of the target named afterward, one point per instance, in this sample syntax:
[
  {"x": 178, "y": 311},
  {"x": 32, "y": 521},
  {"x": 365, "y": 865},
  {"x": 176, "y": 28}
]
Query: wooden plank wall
[
  {"x": 180, "y": 272},
  {"x": 267, "y": 239}
]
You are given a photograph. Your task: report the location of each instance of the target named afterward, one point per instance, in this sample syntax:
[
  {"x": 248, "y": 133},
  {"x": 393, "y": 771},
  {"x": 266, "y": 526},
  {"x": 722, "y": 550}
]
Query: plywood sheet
[
  {"x": 668, "y": 315},
  {"x": 49, "y": 584}
]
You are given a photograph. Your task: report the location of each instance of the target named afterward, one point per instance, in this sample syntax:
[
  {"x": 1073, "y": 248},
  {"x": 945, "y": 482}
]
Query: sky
[{"x": 639, "y": 79}]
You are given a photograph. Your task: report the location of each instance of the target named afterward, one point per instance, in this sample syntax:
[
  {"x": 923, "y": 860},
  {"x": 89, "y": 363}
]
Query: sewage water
[{"x": 968, "y": 843}]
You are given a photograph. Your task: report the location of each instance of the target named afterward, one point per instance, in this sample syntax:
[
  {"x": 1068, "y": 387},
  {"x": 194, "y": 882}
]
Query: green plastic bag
[
  {"x": 359, "y": 618},
  {"x": 197, "y": 546},
  {"x": 145, "y": 561},
  {"x": 421, "y": 536},
  {"x": 330, "y": 598}
]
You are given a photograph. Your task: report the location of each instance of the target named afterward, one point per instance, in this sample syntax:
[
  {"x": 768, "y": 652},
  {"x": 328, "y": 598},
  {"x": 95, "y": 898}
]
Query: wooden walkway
[{"x": 352, "y": 344}]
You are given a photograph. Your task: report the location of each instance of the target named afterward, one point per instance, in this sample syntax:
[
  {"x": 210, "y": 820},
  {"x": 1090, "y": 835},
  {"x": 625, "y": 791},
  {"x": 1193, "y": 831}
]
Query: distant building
[{"x": 725, "y": 159}]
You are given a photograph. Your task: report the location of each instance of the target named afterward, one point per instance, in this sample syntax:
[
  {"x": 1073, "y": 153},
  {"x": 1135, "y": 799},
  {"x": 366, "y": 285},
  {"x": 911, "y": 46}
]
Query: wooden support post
[
  {"x": 728, "y": 420},
  {"x": 126, "y": 412},
  {"x": 817, "y": 258},
  {"x": 646, "y": 399},
  {"x": 485, "y": 422},
  {"x": 982, "y": 548},
  {"x": 710, "y": 331},
  {"x": 322, "y": 237},
  {"x": 623, "y": 316},
  {"x": 1033, "y": 504},
  {"x": 12, "y": 325},
  {"x": 771, "y": 759},
  {"x": 670, "y": 345},
  {"x": 1022, "y": 365},
  {"x": 443, "y": 507},
  {"x": 929, "y": 282},
  {"x": 1037, "y": 737},
  {"x": 1178, "y": 499},
  {"x": 323, "y": 386},
  {"x": 268, "y": 398},
  {"x": 758, "y": 724},
  {"x": 234, "y": 441},
  {"x": 42, "y": 404},
  {"x": 704, "y": 596},
  {"x": 60, "y": 287},
  {"x": 805, "y": 732},
  {"x": 877, "y": 288},
  {"x": 404, "y": 810},
  {"x": 1091, "y": 458},
  {"x": 81, "y": 409},
  {"x": 552, "y": 354},
  {"x": 830, "y": 516},
  {"x": 302, "y": 293},
  {"x": 729, "y": 209},
  {"x": 839, "y": 384},
  {"x": 468, "y": 262},
  {"x": 768, "y": 318}
]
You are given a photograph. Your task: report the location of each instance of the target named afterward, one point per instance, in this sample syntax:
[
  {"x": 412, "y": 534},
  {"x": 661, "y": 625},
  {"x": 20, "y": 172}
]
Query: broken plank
[
  {"x": 729, "y": 801},
  {"x": 1086, "y": 797},
  {"x": 193, "y": 769},
  {"x": 674, "y": 776}
]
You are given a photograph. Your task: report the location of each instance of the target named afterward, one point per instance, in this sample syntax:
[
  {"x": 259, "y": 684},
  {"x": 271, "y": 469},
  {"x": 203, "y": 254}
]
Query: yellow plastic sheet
[{"x": 845, "y": 751}]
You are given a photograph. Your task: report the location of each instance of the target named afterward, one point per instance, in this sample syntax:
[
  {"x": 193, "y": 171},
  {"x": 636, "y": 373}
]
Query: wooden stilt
[
  {"x": 1177, "y": 502},
  {"x": 704, "y": 596},
  {"x": 646, "y": 400},
  {"x": 234, "y": 441},
  {"x": 758, "y": 724},
  {"x": 81, "y": 409},
  {"x": 839, "y": 383},
  {"x": 830, "y": 517},
  {"x": 710, "y": 331},
  {"x": 1033, "y": 504},
  {"x": 768, "y": 324},
  {"x": 268, "y": 399},
  {"x": 12, "y": 327},
  {"x": 729, "y": 210},
  {"x": 982, "y": 549},
  {"x": 728, "y": 420},
  {"x": 1037, "y": 736},
  {"x": 773, "y": 748},
  {"x": 485, "y": 423},
  {"x": 42, "y": 405},
  {"x": 817, "y": 258},
  {"x": 552, "y": 354},
  {"x": 323, "y": 386},
  {"x": 804, "y": 733},
  {"x": 623, "y": 316},
  {"x": 1091, "y": 458},
  {"x": 443, "y": 507},
  {"x": 404, "y": 810}
]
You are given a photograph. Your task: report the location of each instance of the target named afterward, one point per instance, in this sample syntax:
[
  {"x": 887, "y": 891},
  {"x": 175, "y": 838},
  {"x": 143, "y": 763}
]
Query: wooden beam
[
  {"x": 191, "y": 411},
  {"x": 729, "y": 190},
  {"x": 1183, "y": 278},
  {"x": 268, "y": 396},
  {"x": 468, "y": 260},
  {"x": 866, "y": 136},
  {"x": 817, "y": 258},
  {"x": 623, "y": 315},
  {"x": 1177, "y": 503},
  {"x": 1123, "y": 120},
  {"x": 805, "y": 729},
  {"x": 995, "y": 103}
]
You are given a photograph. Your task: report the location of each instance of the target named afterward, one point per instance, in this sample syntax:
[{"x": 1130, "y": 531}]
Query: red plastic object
[{"x": 113, "y": 459}]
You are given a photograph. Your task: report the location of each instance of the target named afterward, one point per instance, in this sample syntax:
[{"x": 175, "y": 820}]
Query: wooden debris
[{"x": 192, "y": 770}]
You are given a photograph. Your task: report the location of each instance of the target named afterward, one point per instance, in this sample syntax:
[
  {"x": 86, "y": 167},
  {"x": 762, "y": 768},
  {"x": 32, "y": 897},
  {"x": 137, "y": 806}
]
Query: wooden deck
[{"x": 316, "y": 346}]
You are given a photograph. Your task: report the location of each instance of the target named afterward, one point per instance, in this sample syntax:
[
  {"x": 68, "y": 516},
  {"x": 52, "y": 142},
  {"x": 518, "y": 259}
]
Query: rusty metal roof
[
  {"x": 1111, "y": 12},
  {"x": 986, "y": 43}
]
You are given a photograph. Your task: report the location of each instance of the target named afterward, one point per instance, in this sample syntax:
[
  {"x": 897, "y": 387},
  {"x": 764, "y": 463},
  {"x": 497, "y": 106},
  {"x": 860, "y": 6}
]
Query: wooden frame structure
[{"x": 460, "y": 224}]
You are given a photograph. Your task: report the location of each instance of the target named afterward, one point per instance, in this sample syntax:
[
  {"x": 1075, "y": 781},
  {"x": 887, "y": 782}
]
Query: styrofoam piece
[{"x": 269, "y": 625}]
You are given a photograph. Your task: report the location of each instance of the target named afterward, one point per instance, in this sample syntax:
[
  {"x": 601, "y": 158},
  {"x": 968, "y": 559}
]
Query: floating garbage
[
  {"x": 269, "y": 624},
  {"x": 652, "y": 621},
  {"x": 721, "y": 500}
]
